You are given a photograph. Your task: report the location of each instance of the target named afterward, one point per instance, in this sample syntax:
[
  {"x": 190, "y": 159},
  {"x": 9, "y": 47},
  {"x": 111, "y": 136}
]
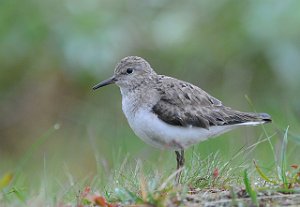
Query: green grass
[
  {"x": 249, "y": 189},
  {"x": 206, "y": 180}
]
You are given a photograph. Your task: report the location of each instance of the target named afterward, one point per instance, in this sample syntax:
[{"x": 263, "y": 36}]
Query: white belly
[{"x": 159, "y": 134}]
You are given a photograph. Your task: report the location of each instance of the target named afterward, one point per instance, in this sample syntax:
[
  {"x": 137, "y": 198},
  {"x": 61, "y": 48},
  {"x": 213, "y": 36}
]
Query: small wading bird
[{"x": 172, "y": 114}]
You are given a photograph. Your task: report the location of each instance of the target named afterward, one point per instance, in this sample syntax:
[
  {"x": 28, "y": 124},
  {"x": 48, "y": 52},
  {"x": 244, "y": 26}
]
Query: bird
[{"x": 172, "y": 114}]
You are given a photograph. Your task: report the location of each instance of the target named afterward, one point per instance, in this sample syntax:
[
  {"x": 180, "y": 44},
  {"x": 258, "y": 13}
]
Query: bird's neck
[{"x": 142, "y": 96}]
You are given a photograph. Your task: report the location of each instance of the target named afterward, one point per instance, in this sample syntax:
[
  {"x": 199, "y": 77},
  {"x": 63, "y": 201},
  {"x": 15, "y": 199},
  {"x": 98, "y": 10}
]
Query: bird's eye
[{"x": 129, "y": 70}]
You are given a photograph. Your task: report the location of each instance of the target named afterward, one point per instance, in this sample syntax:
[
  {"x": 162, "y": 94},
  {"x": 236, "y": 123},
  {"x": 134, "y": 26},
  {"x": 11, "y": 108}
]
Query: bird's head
[{"x": 130, "y": 72}]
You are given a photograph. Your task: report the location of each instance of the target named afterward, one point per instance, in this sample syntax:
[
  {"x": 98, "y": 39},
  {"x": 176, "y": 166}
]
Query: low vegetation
[{"x": 209, "y": 181}]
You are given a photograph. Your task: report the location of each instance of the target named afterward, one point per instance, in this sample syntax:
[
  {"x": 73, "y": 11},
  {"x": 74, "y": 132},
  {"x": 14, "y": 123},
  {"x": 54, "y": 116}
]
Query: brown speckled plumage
[{"x": 184, "y": 104}]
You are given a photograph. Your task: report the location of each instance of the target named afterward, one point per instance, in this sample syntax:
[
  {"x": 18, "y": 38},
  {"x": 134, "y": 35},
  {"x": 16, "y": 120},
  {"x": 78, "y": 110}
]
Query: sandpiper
[{"x": 168, "y": 113}]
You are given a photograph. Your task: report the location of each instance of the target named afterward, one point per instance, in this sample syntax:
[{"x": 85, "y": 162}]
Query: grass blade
[
  {"x": 5, "y": 180},
  {"x": 262, "y": 174},
  {"x": 33, "y": 148},
  {"x": 283, "y": 159},
  {"x": 249, "y": 189}
]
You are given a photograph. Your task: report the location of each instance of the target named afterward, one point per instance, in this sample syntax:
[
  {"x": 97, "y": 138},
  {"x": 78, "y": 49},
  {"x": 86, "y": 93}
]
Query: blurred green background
[{"x": 53, "y": 52}]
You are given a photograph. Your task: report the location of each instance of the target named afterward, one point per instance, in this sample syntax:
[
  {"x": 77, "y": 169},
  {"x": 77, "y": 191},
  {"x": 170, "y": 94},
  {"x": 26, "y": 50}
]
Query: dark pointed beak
[{"x": 104, "y": 83}]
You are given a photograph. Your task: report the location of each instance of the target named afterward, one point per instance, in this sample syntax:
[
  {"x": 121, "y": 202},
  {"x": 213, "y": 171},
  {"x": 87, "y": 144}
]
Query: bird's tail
[
  {"x": 265, "y": 117},
  {"x": 257, "y": 118}
]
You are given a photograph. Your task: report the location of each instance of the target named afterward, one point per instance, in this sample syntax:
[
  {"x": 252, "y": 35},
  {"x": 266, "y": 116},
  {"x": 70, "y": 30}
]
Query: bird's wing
[{"x": 183, "y": 104}]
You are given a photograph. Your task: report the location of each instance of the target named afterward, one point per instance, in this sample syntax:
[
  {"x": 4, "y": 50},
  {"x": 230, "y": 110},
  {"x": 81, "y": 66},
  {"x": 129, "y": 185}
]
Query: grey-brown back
[{"x": 184, "y": 104}]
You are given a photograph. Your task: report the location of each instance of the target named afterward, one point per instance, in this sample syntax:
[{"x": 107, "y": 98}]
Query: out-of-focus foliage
[{"x": 52, "y": 52}]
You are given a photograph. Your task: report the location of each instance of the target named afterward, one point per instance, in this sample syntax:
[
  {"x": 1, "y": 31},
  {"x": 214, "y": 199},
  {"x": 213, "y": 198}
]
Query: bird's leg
[{"x": 180, "y": 164}]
